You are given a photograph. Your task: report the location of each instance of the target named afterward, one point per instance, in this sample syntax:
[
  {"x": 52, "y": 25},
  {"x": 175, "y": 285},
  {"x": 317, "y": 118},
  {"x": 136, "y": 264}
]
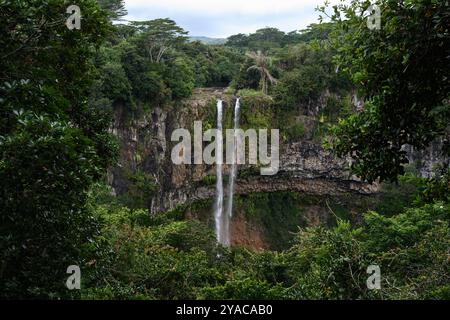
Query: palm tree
[{"x": 262, "y": 63}]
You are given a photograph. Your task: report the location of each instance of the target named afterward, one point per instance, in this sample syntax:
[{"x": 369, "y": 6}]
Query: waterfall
[
  {"x": 233, "y": 172},
  {"x": 222, "y": 218},
  {"x": 218, "y": 212}
]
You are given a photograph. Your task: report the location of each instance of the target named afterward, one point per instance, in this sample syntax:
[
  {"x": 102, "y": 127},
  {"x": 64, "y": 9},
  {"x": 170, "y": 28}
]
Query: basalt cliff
[{"x": 146, "y": 146}]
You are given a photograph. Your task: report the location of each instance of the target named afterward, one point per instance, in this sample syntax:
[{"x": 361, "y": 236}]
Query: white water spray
[
  {"x": 222, "y": 218},
  {"x": 233, "y": 172},
  {"x": 218, "y": 213}
]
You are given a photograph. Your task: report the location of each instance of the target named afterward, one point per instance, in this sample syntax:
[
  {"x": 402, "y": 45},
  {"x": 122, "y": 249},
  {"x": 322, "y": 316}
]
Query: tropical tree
[
  {"x": 114, "y": 8},
  {"x": 238, "y": 41},
  {"x": 158, "y": 36},
  {"x": 266, "y": 39},
  {"x": 262, "y": 65},
  {"x": 402, "y": 70},
  {"x": 53, "y": 144}
]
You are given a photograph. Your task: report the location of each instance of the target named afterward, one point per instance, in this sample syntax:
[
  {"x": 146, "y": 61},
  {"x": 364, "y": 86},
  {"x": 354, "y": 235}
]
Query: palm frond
[{"x": 255, "y": 67}]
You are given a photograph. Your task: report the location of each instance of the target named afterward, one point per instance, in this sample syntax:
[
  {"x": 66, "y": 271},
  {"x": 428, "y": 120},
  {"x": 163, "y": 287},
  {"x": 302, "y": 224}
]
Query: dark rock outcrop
[{"x": 146, "y": 145}]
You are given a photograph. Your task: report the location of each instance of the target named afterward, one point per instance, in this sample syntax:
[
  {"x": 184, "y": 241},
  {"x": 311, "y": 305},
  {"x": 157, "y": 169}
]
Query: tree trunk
[{"x": 264, "y": 83}]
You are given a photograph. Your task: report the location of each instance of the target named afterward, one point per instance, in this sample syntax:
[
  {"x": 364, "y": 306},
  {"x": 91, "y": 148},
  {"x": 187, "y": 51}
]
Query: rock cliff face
[
  {"x": 146, "y": 146},
  {"x": 424, "y": 162}
]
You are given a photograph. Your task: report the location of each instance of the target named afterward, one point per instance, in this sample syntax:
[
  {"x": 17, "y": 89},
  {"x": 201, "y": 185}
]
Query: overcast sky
[{"x": 222, "y": 18}]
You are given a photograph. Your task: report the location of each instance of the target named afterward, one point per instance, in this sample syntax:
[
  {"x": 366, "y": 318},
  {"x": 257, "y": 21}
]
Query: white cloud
[
  {"x": 222, "y": 18},
  {"x": 217, "y": 7}
]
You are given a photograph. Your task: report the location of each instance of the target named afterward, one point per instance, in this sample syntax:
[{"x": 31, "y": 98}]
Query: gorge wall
[{"x": 146, "y": 147}]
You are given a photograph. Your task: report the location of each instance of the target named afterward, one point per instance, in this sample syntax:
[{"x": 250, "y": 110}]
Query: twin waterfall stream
[{"x": 223, "y": 217}]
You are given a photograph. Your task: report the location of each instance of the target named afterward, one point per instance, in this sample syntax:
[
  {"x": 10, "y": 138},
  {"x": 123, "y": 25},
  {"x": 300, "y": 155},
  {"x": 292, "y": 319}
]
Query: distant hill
[{"x": 206, "y": 40}]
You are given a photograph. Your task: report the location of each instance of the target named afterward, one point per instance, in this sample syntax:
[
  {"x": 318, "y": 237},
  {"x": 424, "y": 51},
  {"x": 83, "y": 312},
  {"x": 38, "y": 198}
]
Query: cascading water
[
  {"x": 222, "y": 218},
  {"x": 233, "y": 172},
  {"x": 218, "y": 213}
]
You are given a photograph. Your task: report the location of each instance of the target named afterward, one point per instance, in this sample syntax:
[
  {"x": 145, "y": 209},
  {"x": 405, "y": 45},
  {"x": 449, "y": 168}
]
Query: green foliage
[
  {"x": 327, "y": 264},
  {"x": 307, "y": 73},
  {"x": 150, "y": 63},
  {"x": 296, "y": 132},
  {"x": 53, "y": 144},
  {"x": 396, "y": 197},
  {"x": 156, "y": 37},
  {"x": 402, "y": 70},
  {"x": 256, "y": 110},
  {"x": 299, "y": 86},
  {"x": 404, "y": 229},
  {"x": 262, "y": 63},
  {"x": 269, "y": 38},
  {"x": 214, "y": 66},
  {"x": 332, "y": 263},
  {"x": 177, "y": 214},
  {"x": 167, "y": 261},
  {"x": 209, "y": 180},
  {"x": 184, "y": 235},
  {"x": 46, "y": 168},
  {"x": 336, "y": 108},
  {"x": 140, "y": 187},
  {"x": 111, "y": 215},
  {"x": 180, "y": 259},
  {"x": 436, "y": 188},
  {"x": 112, "y": 83},
  {"x": 279, "y": 214},
  {"x": 246, "y": 78},
  {"x": 180, "y": 79},
  {"x": 142, "y": 66},
  {"x": 262, "y": 39},
  {"x": 413, "y": 248},
  {"x": 115, "y": 8}
]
